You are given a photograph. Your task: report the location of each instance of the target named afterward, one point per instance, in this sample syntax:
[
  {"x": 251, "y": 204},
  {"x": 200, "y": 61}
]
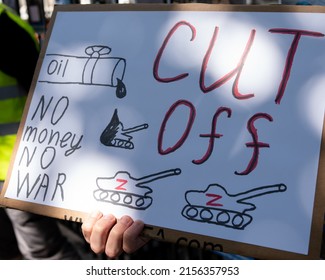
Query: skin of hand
[{"x": 105, "y": 233}]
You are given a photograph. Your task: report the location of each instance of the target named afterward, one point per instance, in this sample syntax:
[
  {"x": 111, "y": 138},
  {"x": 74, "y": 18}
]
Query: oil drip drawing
[
  {"x": 115, "y": 135},
  {"x": 96, "y": 68},
  {"x": 216, "y": 206},
  {"x": 125, "y": 190}
]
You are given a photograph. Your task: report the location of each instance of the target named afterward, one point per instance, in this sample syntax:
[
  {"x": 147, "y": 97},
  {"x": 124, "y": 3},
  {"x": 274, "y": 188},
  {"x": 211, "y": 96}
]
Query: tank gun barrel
[
  {"x": 107, "y": 183},
  {"x": 135, "y": 129},
  {"x": 261, "y": 191},
  {"x": 159, "y": 175}
]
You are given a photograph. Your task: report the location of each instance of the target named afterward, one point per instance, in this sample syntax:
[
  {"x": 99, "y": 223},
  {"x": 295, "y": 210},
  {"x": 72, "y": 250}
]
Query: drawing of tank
[
  {"x": 124, "y": 190},
  {"x": 115, "y": 135},
  {"x": 215, "y": 205},
  {"x": 96, "y": 68}
]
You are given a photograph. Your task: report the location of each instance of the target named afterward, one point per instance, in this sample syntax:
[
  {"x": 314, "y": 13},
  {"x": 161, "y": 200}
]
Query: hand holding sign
[{"x": 113, "y": 236}]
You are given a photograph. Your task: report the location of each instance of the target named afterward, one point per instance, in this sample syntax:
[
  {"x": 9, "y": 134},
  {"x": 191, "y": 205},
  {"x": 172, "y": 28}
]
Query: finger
[
  {"x": 132, "y": 239},
  {"x": 88, "y": 224},
  {"x": 100, "y": 233},
  {"x": 114, "y": 245}
]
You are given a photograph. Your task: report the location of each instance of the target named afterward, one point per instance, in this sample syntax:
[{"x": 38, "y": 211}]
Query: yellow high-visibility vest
[{"x": 12, "y": 102}]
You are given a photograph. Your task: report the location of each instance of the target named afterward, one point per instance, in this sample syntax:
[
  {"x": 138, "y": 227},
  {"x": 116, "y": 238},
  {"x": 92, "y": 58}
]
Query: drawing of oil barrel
[
  {"x": 124, "y": 190},
  {"x": 96, "y": 68},
  {"x": 216, "y": 206}
]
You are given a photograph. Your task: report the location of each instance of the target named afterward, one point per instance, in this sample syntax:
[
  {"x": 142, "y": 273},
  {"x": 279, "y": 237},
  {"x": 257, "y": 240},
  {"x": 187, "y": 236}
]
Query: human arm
[{"x": 112, "y": 236}]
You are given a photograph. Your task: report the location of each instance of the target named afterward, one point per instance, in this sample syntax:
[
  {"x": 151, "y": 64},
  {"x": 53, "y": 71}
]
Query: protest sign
[{"x": 204, "y": 121}]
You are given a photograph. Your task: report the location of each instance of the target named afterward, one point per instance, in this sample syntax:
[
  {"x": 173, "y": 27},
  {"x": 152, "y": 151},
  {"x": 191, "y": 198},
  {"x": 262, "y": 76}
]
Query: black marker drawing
[
  {"x": 216, "y": 206},
  {"x": 124, "y": 190},
  {"x": 115, "y": 135},
  {"x": 97, "y": 68}
]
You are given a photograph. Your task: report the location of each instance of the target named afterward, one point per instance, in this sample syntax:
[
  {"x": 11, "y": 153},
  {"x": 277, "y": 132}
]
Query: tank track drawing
[
  {"x": 131, "y": 200},
  {"x": 227, "y": 218},
  {"x": 122, "y": 144}
]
